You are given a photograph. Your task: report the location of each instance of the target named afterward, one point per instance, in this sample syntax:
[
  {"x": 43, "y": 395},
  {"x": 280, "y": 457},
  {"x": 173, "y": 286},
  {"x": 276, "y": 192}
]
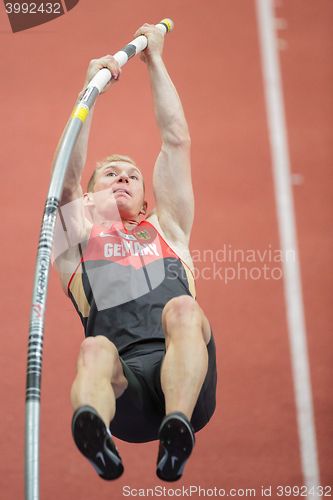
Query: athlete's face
[{"x": 122, "y": 182}]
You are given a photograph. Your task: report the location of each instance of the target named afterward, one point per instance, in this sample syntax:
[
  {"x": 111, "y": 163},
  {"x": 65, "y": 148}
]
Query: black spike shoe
[
  {"x": 177, "y": 440},
  {"x": 94, "y": 441}
]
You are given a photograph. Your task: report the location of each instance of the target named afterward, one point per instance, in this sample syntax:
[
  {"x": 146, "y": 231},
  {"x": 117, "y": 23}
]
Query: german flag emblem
[{"x": 143, "y": 235}]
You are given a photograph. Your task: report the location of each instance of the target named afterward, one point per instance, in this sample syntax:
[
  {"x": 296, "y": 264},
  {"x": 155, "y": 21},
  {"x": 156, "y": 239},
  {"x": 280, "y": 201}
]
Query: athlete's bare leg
[
  {"x": 184, "y": 367},
  {"x": 100, "y": 378}
]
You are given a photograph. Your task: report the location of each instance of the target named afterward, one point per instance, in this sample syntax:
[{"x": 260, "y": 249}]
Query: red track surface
[{"x": 213, "y": 56}]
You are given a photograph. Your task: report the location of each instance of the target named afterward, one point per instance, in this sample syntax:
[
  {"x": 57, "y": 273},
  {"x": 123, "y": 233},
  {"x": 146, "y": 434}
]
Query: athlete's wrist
[{"x": 154, "y": 60}]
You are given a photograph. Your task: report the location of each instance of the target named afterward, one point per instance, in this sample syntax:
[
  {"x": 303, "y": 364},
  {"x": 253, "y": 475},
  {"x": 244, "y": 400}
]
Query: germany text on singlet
[{"x": 124, "y": 281}]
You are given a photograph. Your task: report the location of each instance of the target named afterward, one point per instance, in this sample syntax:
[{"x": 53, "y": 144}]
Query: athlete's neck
[
  {"x": 127, "y": 223},
  {"x": 130, "y": 223}
]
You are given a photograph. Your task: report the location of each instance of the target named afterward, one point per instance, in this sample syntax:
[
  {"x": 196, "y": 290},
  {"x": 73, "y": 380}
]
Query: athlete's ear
[
  {"x": 143, "y": 210},
  {"x": 88, "y": 199}
]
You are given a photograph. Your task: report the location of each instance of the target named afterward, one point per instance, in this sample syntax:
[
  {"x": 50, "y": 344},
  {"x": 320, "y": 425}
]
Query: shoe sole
[
  {"x": 176, "y": 445},
  {"x": 90, "y": 437}
]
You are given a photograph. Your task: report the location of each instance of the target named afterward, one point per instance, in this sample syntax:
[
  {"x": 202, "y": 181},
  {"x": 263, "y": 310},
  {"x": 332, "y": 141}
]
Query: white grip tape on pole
[{"x": 102, "y": 78}]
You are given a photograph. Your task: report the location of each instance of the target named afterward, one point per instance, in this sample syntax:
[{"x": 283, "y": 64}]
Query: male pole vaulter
[{"x": 146, "y": 369}]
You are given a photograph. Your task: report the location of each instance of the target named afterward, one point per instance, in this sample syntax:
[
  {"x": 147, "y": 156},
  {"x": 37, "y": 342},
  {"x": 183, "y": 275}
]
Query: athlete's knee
[
  {"x": 95, "y": 349},
  {"x": 180, "y": 310}
]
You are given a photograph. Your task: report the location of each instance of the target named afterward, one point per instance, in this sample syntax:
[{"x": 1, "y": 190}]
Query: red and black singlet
[{"x": 126, "y": 279}]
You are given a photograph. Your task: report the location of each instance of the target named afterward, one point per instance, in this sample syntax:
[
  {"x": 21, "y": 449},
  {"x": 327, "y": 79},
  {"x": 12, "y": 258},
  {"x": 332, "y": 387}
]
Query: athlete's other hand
[
  {"x": 108, "y": 62},
  {"x": 155, "y": 42}
]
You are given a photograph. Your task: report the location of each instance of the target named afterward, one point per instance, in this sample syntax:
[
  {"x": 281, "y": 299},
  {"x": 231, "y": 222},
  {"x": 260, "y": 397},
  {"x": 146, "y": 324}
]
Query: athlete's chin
[{"x": 125, "y": 210}]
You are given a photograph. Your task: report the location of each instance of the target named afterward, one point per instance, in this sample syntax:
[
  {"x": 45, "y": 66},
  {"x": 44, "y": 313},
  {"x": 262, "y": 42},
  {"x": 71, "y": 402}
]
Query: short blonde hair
[{"x": 102, "y": 163}]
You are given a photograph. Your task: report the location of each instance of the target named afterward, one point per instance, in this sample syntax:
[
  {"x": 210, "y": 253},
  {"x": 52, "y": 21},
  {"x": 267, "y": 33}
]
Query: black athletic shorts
[{"x": 141, "y": 408}]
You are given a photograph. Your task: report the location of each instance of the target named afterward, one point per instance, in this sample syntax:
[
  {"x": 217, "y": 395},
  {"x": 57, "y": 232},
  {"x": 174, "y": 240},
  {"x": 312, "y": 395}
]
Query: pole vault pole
[{"x": 36, "y": 330}]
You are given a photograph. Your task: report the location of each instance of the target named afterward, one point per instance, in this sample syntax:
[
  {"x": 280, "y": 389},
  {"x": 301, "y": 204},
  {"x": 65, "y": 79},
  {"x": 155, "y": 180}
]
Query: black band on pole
[{"x": 130, "y": 50}]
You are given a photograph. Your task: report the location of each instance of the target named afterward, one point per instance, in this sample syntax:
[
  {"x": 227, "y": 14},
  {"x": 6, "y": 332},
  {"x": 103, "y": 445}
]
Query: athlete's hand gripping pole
[
  {"x": 103, "y": 77},
  {"x": 36, "y": 330},
  {"x": 137, "y": 45}
]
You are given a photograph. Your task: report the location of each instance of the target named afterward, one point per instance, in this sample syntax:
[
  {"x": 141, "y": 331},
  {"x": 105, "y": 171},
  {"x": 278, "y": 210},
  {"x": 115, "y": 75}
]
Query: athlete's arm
[
  {"x": 72, "y": 185},
  {"x": 172, "y": 173},
  {"x": 74, "y": 227}
]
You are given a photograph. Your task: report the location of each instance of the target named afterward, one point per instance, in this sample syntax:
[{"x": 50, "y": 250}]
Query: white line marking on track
[{"x": 288, "y": 241}]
